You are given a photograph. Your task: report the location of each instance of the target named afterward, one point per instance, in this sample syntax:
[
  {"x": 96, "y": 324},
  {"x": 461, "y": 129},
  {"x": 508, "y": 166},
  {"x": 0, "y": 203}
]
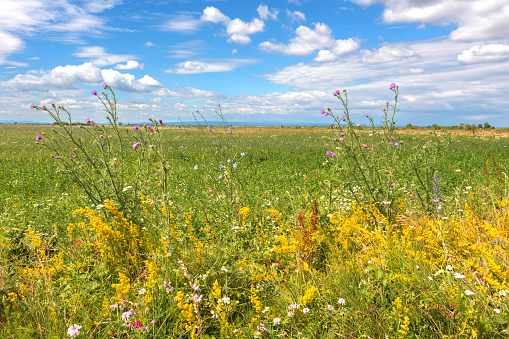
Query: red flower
[
  {"x": 452, "y": 167},
  {"x": 315, "y": 175}
]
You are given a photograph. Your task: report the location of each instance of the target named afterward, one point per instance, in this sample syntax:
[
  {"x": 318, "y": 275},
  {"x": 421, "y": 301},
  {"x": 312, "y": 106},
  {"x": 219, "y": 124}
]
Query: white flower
[
  {"x": 459, "y": 275},
  {"x": 430, "y": 278},
  {"x": 126, "y": 316},
  {"x": 126, "y": 188},
  {"x": 448, "y": 267},
  {"x": 305, "y": 310},
  {"x": 266, "y": 309},
  {"x": 468, "y": 292},
  {"x": 502, "y": 293},
  {"x": 197, "y": 298},
  {"x": 225, "y": 300},
  {"x": 341, "y": 301},
  {"x": 142, "y": 291},
  {"x": 224, "y": 269},
  {"x": 496, "y": 310},
  {"x": 276, "y": 320},
  {"x": 330, "y": 307},
  {"x": 290, "y": 314}
]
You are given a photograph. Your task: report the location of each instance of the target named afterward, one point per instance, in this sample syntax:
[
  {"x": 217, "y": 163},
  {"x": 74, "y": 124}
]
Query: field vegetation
[{"x": 114, "y": 231}]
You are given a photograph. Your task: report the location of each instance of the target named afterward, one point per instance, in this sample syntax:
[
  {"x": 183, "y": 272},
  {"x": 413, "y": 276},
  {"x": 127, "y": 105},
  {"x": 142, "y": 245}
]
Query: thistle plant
[{"x": 368, "y": 162}]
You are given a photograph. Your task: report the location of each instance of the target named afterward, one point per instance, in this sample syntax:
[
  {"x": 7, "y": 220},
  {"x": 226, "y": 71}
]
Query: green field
[{"x": 283, "y": 239}]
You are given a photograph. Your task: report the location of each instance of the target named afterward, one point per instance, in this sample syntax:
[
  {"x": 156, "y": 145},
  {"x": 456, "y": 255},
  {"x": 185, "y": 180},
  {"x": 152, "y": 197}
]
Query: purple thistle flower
[
  {"x": 135, "y": 127},
  {"x": 100, "y": 136},
  {"x": 333, "y": 154},
  {"x": 38, "y": 137},
  {"x": 341, "y": 134},
  {"x": 396, "y": 144},
  {"x": 329, "y": 152},
  {"x": 161, "y": 122},
  {"x": 57, "y": 157},
  {"x": 322, "y": 112},
  {"x": 105, "y": 85},
  {"x": 71, "y": 159},
  {"x": 74, "y": 151},
  {"x": 343, "y": 119},
  {"x": 87, "y": 121},
  {"x": 135, "y": 145},
  {"x": 365, "y": 146},
  {"x": 393, "y": 85},
  {"x": 335, "y": 139},
  {"x": 32, "y": 106},
  {"x": 94, "y": 92},
  {"x": 392, "y": 184},
  {"x": 95, "y": 125}
]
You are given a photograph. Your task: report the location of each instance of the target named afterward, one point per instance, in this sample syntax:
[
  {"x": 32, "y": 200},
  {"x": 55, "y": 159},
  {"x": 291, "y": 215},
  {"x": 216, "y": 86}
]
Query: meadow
[{"x": 154, "y": 231}]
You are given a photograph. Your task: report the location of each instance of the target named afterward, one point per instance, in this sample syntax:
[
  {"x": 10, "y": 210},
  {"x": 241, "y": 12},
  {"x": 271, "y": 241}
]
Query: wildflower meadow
[{"x": 220, "y": 231}]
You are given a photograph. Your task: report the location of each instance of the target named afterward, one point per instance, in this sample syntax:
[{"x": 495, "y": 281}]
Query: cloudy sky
[{"x": 264, "y": 62}]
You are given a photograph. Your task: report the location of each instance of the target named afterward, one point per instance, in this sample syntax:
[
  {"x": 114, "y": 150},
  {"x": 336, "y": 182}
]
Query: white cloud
[
  {"x": 212, "y": 14},
  {"x": 131, "y": 64},
  {"x": 98, "y": 6},
  {"x": 386, "y": 54},
  {"x": 127, "y": 82},
  {"x": 308, "y": 40},
  {"x": 484, "y": 54},
  {"x": 189, "y": 92},
  {"x": 99, "y": 57},
  {"x": 239, "y": 30},
  {"x": 149, "y": 44},
  {"x": 183, "y": 23},
  {"x": 10, "y": 44},
  {"x": 295, "y": 16},
  {"x": 476, "y": 19},
  {"x": 197, "y": 66},
  {"x": 265, "y": 13},
  {"x": 234, "y": 51},
  {"x": 297, "y": 2}
]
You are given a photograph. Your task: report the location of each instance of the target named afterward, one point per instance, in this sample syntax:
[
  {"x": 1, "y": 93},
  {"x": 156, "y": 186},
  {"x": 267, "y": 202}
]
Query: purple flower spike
[
  {"x": 39, "y": 137},
  {"x": 94, "y": 92},
  {"x": 393, "y": 85},
  {"x": 135, "y": 127},
  {"x": 105, "y": 85}
]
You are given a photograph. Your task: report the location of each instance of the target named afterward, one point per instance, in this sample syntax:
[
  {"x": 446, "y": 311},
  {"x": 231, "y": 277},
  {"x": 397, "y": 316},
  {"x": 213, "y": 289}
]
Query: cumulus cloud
[
  {"x": 99, "y": 57},
  {"x": 484, "y": 54},
  {"x": 476, "y": 19},
  {"x": 189, "y": 92},
  {"x": 131, "y": 64},
  {"x": 265, "y": 13},
  {"x": 295, "y": 16},
  {"x": 308, "y": 40},
  {"x": 204, "y": 66},
  {"x": 386, "y": 54},
  {"x": 10, "y": 44},
  {"x": 239, "y": 30},
  {"x": 212, "y": 14},
  {"x": 68, "y": 77}
]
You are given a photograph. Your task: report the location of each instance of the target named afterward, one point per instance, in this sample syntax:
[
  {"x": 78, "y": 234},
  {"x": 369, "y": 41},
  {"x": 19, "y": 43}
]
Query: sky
[{"x": 259, "y": 62}]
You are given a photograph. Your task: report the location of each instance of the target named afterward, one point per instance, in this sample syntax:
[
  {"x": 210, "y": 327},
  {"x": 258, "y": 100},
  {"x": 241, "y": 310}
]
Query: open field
[{"x": 253, "y": 232}]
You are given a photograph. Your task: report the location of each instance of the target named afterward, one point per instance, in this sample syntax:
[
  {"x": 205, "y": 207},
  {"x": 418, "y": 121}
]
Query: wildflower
[
  {"x": 341, "y": 134},
  {"x": 468, "y": 292},
  {"x": 496, "y": 310},
  {"x": 154, "y": 321},
  {"x": 335, "y": 139},
  {"x": 229, "y": 160},
  {"x": 197, "y": 298},
  {"x": 126, "y": 316},
  {"x": 196, "y": 287},
  {"x": 144, "y": 329},
  {"x": 235, "y": 165},
  {"x": 38, "y": 137},
  {"x": 135, "y": 145},
  {"x": 229, "y": 128},
  {"x": 305, "y": 310},
  {"x": 330, "y": 307},
  {"x": 136, "y": 324},
  {"x": 396, "y": 144},
  {"x": 459, "y": 275},
  {"x": 502, "y": 293},
  {"x": 225, "y": 300},
  {"x": 333, "y": 154},
  {"x": 392, "y": 86},
  {"x": 276, "y": 320},
  {"x": 135, "y": 127},
  {"x": 220, "y": 176},
  {"x": 224, "y": 269},
  {"x": 105, "y": 85},
  {"x": 208, "y": 127},
  {"x": 74, "y": 330},
  {"x": 161, "y": 122},
  {"x": 392, "y": 184},
  {"x": 168, "y": 287},
  {"x": 142, "y": 291},
  {"x": 195, "y": 167},
  {"x": 242, "y": 154},
  {"x": 448, "y": 267},
  {"x": 100, "y": 136},
  {"x": 290, "y": 314},
  {"x": 452, "y": 167},
  {"x": 329, "y": 152},
  {"x": 32, "y": 106},
  {"x": 113, "y": 307},
  {"x": 322, "y": 112},
  {"x": 214, "y": 314},
  {"x": 336, "y": 93},
  {"x": 94, "y": 92},
  {"x": 266, "y": 309},
  {"x": 341, "y": 301},
  {"x": 71, "y": 159},
  {"x": 365, "y": 146}
]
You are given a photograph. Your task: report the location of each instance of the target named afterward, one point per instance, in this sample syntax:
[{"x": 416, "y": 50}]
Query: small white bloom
[
  {"x": 224, "y": 269},
  {"x": 496, "y": 310},
  {"x": 502, "y": 293},
  {"x": 459, "y": 275},
  {"x": 142, "y": 291},
  {"x": 266, "y": 309},
  {"x": 430, "y": 278},
  {"x": 448, "y": 267},
  {"x": 341, "y": 301},
  {"x": 305, "y": 310},
  {"x": 276, "y": 320},
  {"x": 126, "y": 188},
  {"x": 468, "y": 292}
]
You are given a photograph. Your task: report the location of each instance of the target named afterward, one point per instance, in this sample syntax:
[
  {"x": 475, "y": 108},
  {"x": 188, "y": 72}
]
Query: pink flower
[
  {"x": 135, "y": 128},
  {"x": 105, "y": 85},
  {"x": 276, "y": 321},
  {"x": 161, "y": 122},
  {"x": 135, "y": 145},
  {"x": 136, "y": 324},
  {"x": 396, "y": 144},
  {"x": 305, "y": 310},
  {"x": 322, "y": 111},
  {"x": 39, "y": 137},
  {"x": 365, "y": 146},
  {"x": 32, "y": 106},
  {"x": 341, "y": 301},
  {"x": 196, "y": 287},
  {"x": 74, "y": 330},
  {"x": 94, "y": 92},
  {"x": 330, "y": 307},
  {"x": 329, "y": 152},
  {"x": 393, "y": 85},
  {"x": 341, "y": 134}
]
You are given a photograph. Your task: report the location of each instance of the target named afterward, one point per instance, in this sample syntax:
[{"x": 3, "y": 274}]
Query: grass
[{"x": 279, "y": 246}]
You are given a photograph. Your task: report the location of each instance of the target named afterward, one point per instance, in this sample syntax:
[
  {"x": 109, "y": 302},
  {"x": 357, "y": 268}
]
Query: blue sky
[{"x": 273, "y": 62}]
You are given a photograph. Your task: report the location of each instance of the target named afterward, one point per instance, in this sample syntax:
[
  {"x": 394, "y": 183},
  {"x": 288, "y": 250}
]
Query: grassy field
[{"x": 252, "y": 232}]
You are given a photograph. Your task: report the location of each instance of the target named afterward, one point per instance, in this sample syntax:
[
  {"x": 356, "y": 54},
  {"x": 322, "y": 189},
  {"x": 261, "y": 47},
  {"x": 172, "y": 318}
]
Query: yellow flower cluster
[
  {"x": 123, "y": 287},
  {"x": 186, "y": 309},
  {"x": 308, "y": 296}
]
